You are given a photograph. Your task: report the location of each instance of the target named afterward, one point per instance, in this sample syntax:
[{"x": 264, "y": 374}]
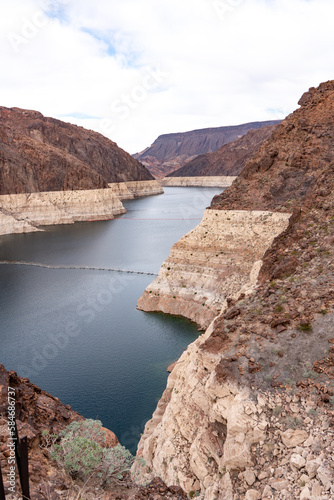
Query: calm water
[{"x": 77, "y": 333}]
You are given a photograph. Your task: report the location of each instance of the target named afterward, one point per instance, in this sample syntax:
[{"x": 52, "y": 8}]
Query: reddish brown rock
[
  {"x": 229, "y": 160},
  {"x": 171, "y": 151},
  {"x": 44, "y": 154}
]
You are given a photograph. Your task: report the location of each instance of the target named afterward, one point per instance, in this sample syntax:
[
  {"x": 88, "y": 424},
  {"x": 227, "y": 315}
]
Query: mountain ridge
[
  {"x": 39, "y": 154},
  {"x": 171, "y": 151}
]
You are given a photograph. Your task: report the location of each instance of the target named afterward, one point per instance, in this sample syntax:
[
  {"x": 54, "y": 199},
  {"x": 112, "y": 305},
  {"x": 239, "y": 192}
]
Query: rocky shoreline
[
  {"x": 201, "y": 181},
  {"x": 219, "y": 259},
  {"x": 26, "y": 212},
  {"x": 248, "y": 412}
]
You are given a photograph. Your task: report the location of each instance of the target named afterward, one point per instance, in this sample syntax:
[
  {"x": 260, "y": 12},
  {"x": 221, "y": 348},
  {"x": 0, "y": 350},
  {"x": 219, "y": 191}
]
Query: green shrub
[{"x": 79, "y": 450}]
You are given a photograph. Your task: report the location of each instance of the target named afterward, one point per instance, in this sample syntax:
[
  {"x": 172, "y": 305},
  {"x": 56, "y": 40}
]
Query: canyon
[
  {"x": 248, "y": 408},
  {"x": 169, "y": 152},
  {"x": 200, "y": 181},
  {"x": 248, "y": 411}
]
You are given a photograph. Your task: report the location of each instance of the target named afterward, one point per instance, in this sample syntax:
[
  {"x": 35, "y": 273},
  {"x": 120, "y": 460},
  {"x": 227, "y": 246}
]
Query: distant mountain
[
  {"x": 44, "y": 154},
  {"x": 171, "y": 151},
  {"x": 229, "y": 160}
]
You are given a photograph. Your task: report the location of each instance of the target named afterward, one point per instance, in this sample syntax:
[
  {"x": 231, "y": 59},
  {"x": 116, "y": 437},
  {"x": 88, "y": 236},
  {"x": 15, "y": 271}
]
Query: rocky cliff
[
  {"x": 229, "y": 160},
  {"x": 27, "y": 212},
  {"x": 248, "y": 409},
  {"x": 213, "y": 262},
  {"x": 202, "y": 181},
  {"x": 53, "y": 172},
  {"x": 39, "y": 154},
  {"x": 36, "y": 411},
  {"x": 171, "y": 151}
]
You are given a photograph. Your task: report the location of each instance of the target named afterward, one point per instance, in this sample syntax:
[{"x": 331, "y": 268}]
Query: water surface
[{"x": 77, "y": 333}]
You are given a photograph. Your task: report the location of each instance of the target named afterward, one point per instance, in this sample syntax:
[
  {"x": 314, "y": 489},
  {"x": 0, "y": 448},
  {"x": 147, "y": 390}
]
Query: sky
[{"x": 135, "y": 69}]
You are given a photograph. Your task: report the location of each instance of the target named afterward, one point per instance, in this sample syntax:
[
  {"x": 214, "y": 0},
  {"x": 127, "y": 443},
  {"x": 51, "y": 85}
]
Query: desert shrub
[{"x": 79, "y": 450}]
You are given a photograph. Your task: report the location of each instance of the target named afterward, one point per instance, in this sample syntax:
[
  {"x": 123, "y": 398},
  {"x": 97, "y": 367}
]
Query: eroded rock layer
[
  {"x": 211, "y": 263},
  {"x": 201, "y": 181},
  {"x": 135, "y": 189},
  {"x": 248, "y": 411},
  {"x": 60, "y": 207},
  {"x": 21, "y": 213}
]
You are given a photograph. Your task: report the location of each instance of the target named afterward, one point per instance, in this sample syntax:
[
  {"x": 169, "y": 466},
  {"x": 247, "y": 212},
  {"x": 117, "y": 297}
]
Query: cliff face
[
  {"x": 20, "y": 213},
  {"x": 37, "y": 411},
  {"x": 39, "y": 154},
  {"x": 202, "y": 181},
  {"x": 248, "y": 410},
  {"x": 229, "y": 160},
  {"x": 213, "y": 262},
  {"x": 171, "y": 151}
]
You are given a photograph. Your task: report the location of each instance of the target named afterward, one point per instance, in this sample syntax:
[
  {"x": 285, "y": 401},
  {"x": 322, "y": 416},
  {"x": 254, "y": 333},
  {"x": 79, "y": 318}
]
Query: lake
[{"x": 76, "y": 333}]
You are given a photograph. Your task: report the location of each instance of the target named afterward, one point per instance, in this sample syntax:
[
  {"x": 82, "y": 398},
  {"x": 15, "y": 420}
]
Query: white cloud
[{"x": 141, "y": 67}]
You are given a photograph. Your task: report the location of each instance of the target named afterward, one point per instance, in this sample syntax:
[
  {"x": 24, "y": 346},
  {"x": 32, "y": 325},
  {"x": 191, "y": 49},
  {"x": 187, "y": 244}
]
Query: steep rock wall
[
  {"x": 221, "y": 440},
  {"x": 60, "y": 207},
  {"x": 22, "y": 212},
  {"x": 212, "y": 181},
  {"x": 218, "y": 259}
]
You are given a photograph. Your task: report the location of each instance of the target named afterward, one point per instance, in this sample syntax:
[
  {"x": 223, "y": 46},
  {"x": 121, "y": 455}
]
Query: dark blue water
[{"x": 77, "y": 333}]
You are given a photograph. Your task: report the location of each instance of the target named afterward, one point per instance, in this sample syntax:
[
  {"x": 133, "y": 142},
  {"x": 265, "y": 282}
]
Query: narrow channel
[{"x": 68, "y": 309}]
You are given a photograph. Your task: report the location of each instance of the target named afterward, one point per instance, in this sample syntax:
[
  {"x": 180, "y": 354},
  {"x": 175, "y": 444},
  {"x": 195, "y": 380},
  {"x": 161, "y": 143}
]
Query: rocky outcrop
[
  {"x": 248, "y": 411},
  {"x": 39, "y": 154},
  {"x": 220, "y": 440},
  {"x": 60, "y": 207},
  {"x": 10, "y": 225},
  {"x": 229, "y": 160},
  {"x": 35, "y": 411},
  {"x": 26, "y": 212},
  {"x": 209, "y": 181},
  {"x": 218, "y": 259},
  {"x": 135, "y": 189},
  {"x": 171, "y": 151}
]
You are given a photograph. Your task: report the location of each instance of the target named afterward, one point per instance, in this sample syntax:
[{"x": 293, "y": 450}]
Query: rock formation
[
  {"x": 171, "y": 151},
  {"x": 53, "y": 172},
  {"x": 39, "y": 154},
  {"x": 203, "y": 181},
  {"x": 229, "y": 160},
  {"x": 37, "y": 411},
  {"x": 248, "y": 409},
  {"x": 213, "y": 262}
]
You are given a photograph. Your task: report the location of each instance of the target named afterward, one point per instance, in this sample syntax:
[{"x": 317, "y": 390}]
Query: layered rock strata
[
  {"x": 201, "y": 181},
  {"x": 23, "y": 212},
  {"x": 218, "y": 259},
  {"x": 135, "y": 189},
  {"x": 220, "y": 440},
  {"x": 248, "y": 412},
  {"x": 61, "y": 207}
]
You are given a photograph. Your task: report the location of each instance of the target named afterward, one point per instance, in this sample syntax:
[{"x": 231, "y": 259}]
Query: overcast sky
[{"x": 135, "y": 69}]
